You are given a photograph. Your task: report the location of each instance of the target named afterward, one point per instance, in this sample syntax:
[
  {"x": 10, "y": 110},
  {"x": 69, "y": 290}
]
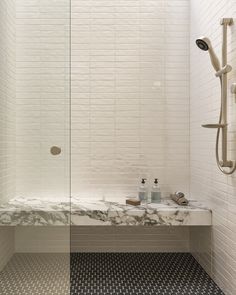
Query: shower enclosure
[
  {"x": 94, "y": 96},
  {"x": 35, "y": 146},
  {"x": 86, "y": 90}
]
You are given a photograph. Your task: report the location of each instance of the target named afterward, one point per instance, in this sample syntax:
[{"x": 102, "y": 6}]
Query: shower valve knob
[{"x": 55, "y": 150}]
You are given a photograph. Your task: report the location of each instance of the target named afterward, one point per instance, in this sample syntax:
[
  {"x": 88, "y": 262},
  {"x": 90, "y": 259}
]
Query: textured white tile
[
  {"x": 100, "y": 239},
  {"x": 7, "y": 245},
  {"x": 8, "y": 99},
  {"x": 42, "y": 97},
  {"x": 124, "y": 114},
  {"x": 207, "y": 182}
]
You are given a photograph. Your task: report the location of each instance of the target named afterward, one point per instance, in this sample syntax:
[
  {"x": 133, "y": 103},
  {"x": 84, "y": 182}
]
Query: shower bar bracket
[
  {"x": 225, "y": 70},
  {"x": 228, "y": 21}
]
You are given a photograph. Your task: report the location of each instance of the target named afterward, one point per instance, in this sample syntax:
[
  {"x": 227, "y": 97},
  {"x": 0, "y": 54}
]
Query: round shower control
[{"x": 55, "y": 150}]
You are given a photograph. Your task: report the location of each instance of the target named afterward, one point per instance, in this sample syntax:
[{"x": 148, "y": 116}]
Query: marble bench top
[{"x": 41, "y": 212}]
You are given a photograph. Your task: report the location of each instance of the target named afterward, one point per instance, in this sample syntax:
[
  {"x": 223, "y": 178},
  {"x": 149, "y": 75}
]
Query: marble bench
[{"x": 78, "y": 212}]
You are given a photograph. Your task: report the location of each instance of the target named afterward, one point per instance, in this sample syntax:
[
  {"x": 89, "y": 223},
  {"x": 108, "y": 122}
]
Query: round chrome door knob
[{"x": 55, "y": 150}]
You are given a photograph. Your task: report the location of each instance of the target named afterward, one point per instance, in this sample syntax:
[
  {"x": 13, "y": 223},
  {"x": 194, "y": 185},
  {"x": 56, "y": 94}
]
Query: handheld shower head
[{"x": 204, "y": 44}]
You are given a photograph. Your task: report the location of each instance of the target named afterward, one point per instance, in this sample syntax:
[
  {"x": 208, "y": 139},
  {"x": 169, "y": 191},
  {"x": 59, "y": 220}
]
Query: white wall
[
  {"x": 215, "y": 250},
  {"x": 130, "y": 96},
  {"x": 7, "y": 120},
  {"x": 129, "y": 239},
  {"x": 7, "y": 99},
  {"x": 40, "y": 239},
  {"x": 42, "y": 92},
  {"x": 100, "y": 239},
  {"x": 7, "y": 246}
]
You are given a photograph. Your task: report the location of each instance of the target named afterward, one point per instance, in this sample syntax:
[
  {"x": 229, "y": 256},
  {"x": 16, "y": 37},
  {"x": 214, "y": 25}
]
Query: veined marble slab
[{"x": 22, "y": 211}]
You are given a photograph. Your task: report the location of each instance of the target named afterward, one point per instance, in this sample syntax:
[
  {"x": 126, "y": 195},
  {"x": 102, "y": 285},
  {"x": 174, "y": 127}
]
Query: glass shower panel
[
  {"x": 119, "y": 105},
  {"x": 120, "y": 55},
  {"x": 35, "y": 146},
  {"x": 129, "y": 106}
]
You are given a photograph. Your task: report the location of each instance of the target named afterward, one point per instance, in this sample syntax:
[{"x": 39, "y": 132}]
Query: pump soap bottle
[
  {"x": 143, "y": 190},
  {"x": 156, "y": 192}
]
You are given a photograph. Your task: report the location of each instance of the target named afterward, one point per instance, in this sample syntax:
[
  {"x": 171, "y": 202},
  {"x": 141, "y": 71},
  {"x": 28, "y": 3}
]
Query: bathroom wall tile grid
[
  {"x": 8, "y": 99},
  {"x": 216, "y": 249},
  {"x": 129, "y": 95}
]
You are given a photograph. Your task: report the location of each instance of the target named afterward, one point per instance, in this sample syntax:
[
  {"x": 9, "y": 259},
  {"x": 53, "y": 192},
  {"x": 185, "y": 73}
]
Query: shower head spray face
[{"x": 204, "y": 44}]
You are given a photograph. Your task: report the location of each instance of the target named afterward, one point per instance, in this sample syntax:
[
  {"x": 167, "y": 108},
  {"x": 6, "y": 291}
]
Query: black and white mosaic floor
[
  {"x": 105, "y": 274},
  {"x": 134, "y": 274},
  {"x": 36, "y": 274}
]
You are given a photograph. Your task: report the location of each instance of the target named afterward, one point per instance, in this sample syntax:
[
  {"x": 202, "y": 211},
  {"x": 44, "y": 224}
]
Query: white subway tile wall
[
  {"x": 101, "y": 239},
  {"x": 215, "y": 250},
  {"x": 130, "y": 96},
  {"x": 7, "y": 245},
  {"x": 7, "y": 101},
  {"x": 42, "y": 239},
  {"x": 43, "y": 97},
  {"x": 129, "y": 239}
]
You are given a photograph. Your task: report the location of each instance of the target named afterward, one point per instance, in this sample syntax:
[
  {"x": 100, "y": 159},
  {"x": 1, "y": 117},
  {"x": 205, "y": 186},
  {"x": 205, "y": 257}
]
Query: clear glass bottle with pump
[
  {"x": 143, "y": 191},
  {"x": 156, "y": 192}
]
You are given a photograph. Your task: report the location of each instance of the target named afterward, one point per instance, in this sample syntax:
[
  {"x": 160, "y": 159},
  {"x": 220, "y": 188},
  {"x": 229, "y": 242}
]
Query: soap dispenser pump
[
  {"x": 143, "y": 191},
  {"x": 156, "y": 192}
]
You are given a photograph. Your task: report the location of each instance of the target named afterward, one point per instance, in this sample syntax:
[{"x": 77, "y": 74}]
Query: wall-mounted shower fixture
[
  {"x": 55, "y": 150},
  {"x": 221, "y": 72}
]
